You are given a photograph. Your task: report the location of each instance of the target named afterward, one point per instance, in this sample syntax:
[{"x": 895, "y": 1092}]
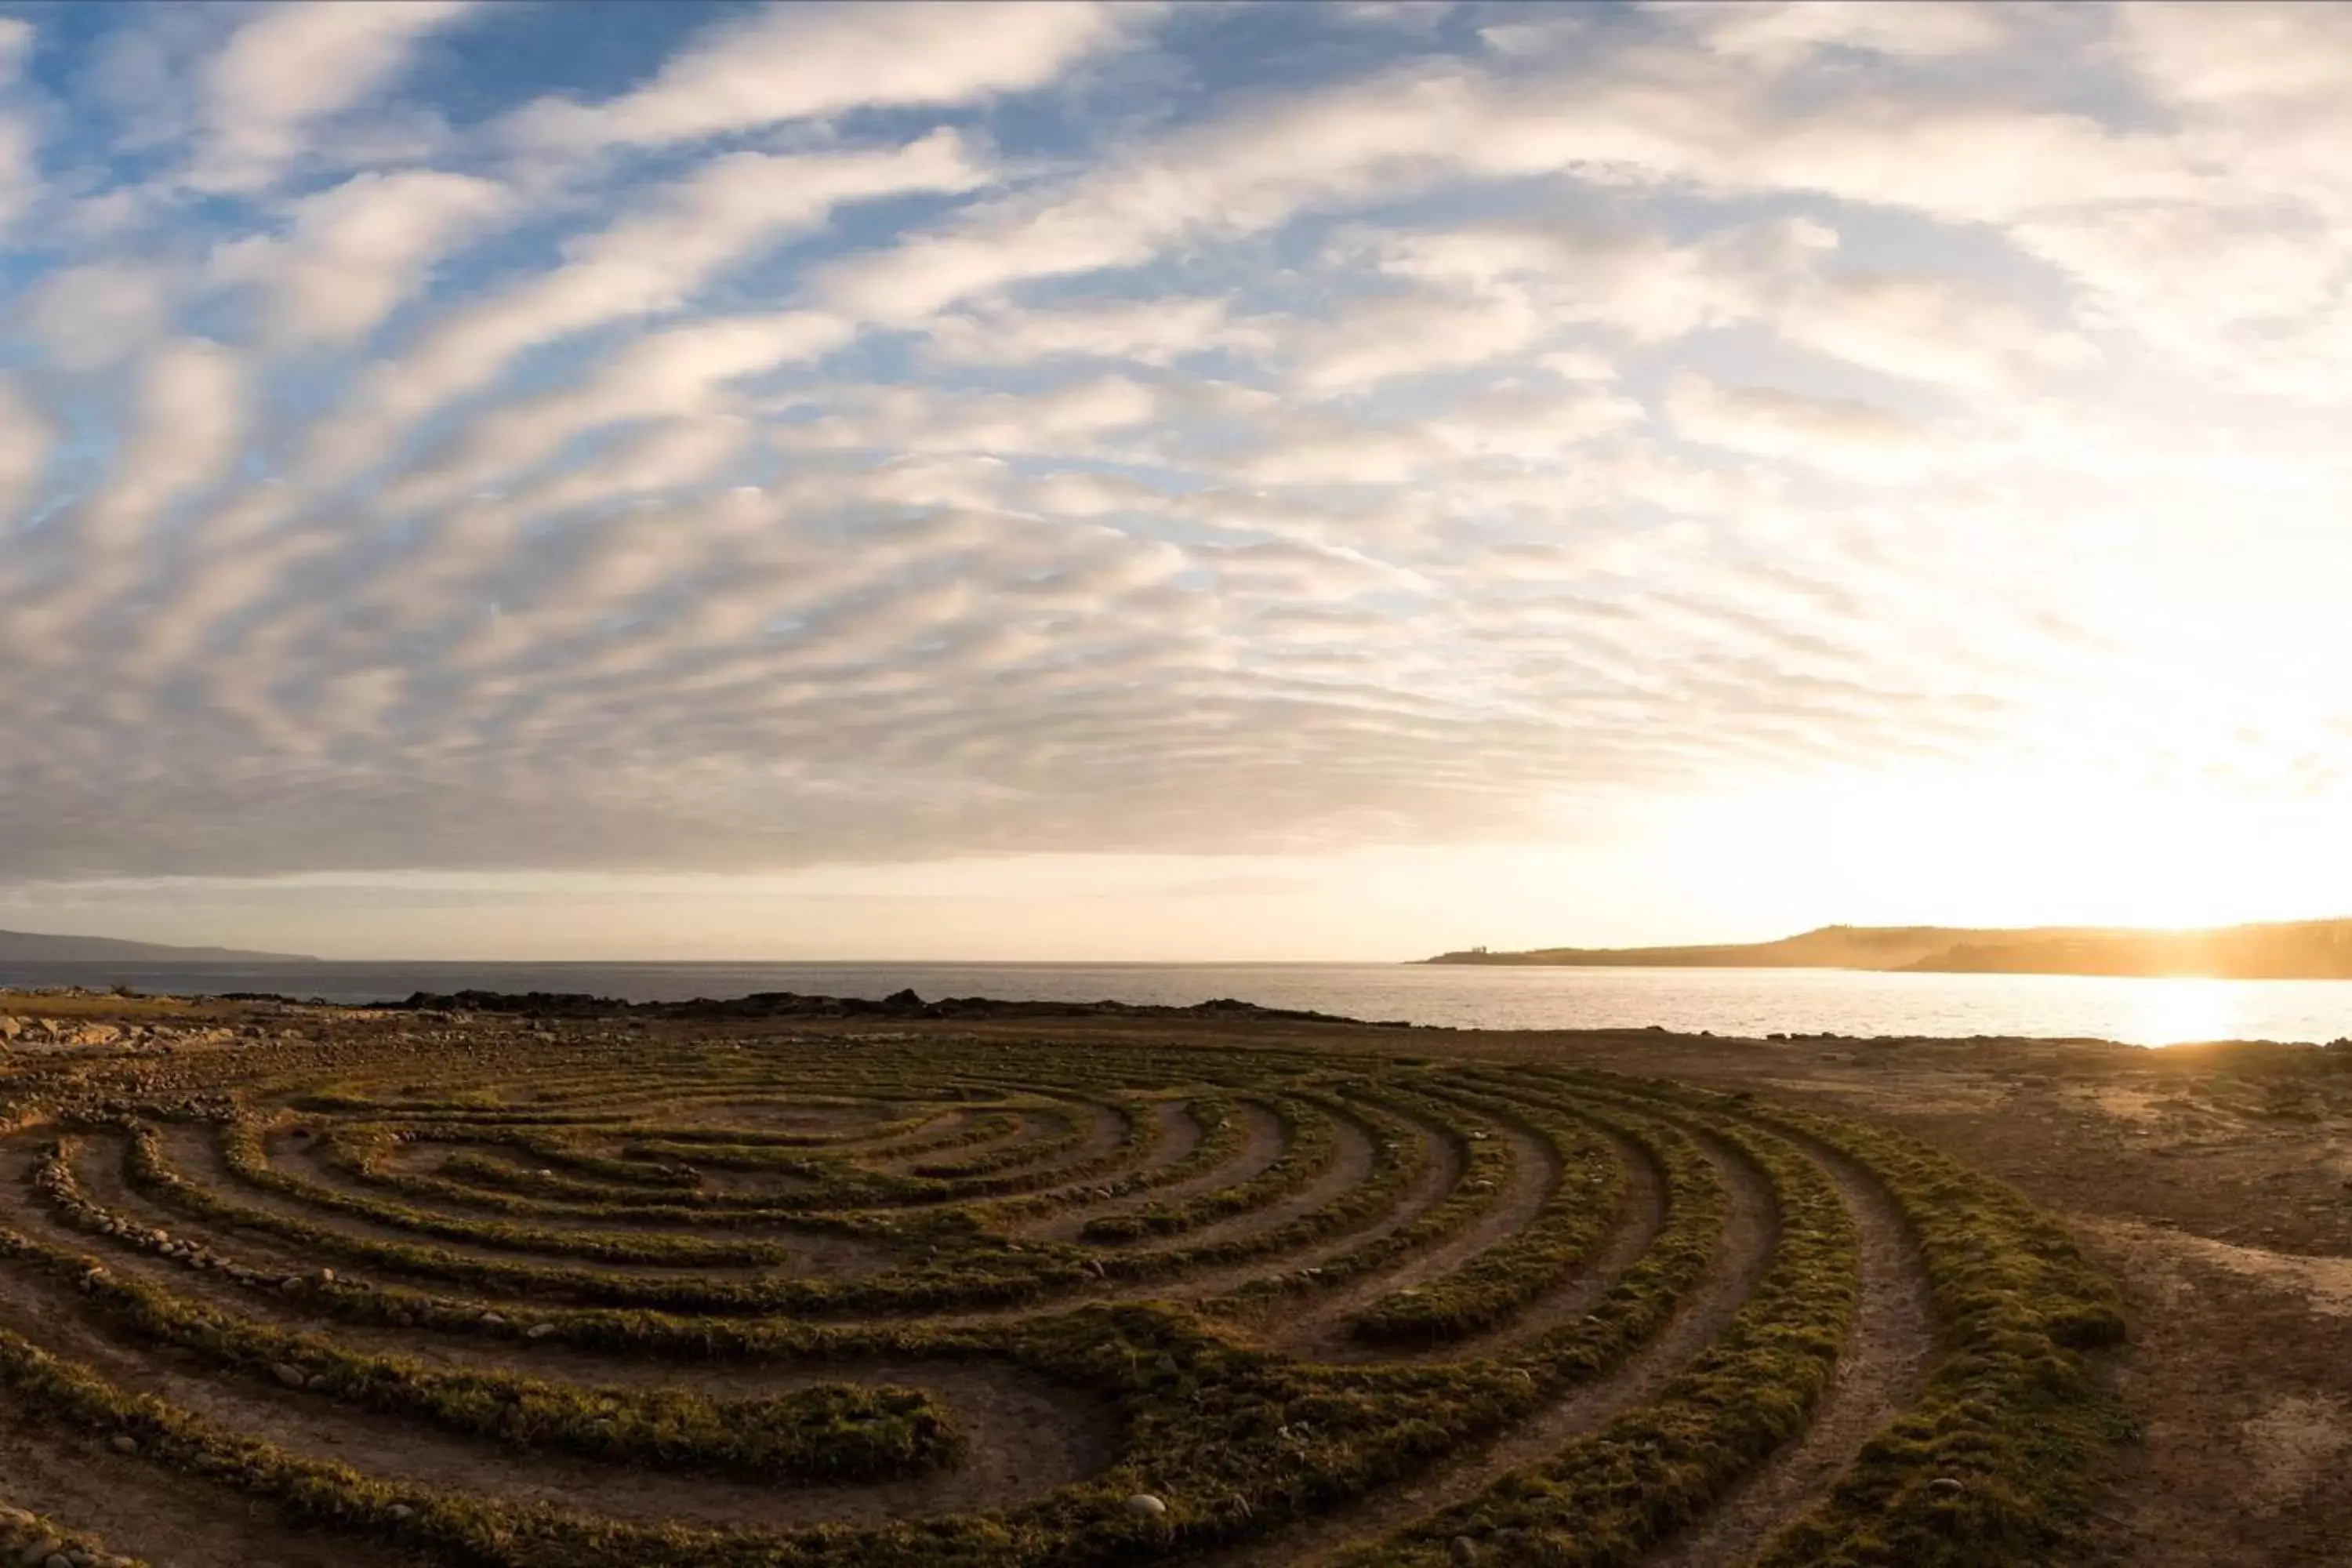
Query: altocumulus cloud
[{"x": 463, "y": 437}]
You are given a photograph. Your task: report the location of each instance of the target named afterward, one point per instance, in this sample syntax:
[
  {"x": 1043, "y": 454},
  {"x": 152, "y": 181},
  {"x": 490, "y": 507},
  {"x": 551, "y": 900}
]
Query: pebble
[
  {"x": 1143, "y": 1505},
  {"x": 290, "y": 1375},
  {"x": 1947, "y": 1486},
  {"x": 124, "y": 1443},
  {"x": 1462, "y": 1549}
]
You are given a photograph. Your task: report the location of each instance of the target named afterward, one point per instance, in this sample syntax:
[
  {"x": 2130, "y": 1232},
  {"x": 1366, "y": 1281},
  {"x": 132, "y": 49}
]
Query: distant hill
[
  {"x": 30, "y": 947},
  {"x": 2291, "y": 950}
]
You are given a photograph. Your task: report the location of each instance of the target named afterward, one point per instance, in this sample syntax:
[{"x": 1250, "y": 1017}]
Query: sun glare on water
[{"x": 2178, "y": 1011}]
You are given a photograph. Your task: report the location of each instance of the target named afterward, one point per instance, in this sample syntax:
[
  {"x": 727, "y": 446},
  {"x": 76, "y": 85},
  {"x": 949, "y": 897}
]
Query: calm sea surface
[{"x": 1727, "y": 1001}]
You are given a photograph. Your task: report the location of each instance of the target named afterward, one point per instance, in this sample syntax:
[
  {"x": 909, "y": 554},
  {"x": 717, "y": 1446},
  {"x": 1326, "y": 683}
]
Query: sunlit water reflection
[{"x": 1726, "y": 1001}]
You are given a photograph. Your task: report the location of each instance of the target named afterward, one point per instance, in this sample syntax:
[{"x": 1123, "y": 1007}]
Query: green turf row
[
  {"x": 1605, "y": 1499},
  {"x": 148, "y": 1169},
  {"x": 1308, "y": 1146},
  {"x": 1398, "y": 1160},
  {"x": 829, "y": 1432},
  {"x": 1484, "y": 1168},
  {"x": 1585, "y": 1200},
  {"x": 2014, "y": 1414},
  {"x": 1220, "y": 1138},
  {"x": 719, "y": 1155}
]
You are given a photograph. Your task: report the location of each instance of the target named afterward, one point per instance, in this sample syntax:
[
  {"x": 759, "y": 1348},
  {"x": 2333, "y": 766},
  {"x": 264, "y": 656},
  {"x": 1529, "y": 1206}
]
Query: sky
[{"x": 1210, "y": 482}]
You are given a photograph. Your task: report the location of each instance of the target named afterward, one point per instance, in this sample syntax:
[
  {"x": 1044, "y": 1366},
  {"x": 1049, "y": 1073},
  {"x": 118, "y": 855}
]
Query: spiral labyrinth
[{"x": 481, "y": 1294}]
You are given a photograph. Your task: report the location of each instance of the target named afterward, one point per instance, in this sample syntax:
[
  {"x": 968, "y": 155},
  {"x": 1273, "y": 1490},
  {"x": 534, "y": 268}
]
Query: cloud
[
  {"x": 292, "y": 67},
  {"x": 1770, "y": 423},
  {"x": 1925, "y": 328},
  {"x": 1778, "y": 32},
  {"x": 97, "y": 314},
  {"x": 2264, "y": 58},
  {"x": 1156, "y": 332},
  {"x": 181, "y": 438},
  {"x": 1715, "y": 127},
  {"x": 1069, "y": 418},
  {"x": 357, "y": 252},
  {"x": 663, "y": 375},
  {"x": 793, "y": 62},
  {"x": 652, "y": 261},
  {"x": 28, "y": 437},
  {"x": 19, "y": 169},
  {"x": 1397, "y": 335}
]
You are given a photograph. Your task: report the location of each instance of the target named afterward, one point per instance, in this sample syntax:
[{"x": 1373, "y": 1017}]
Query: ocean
[{"x": 1725, "y": 1001}]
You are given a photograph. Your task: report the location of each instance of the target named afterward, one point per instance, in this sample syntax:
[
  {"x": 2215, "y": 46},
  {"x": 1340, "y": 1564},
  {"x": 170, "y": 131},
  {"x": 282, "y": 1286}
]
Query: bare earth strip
[
  {"x": 1030, "y": 1453},
  {"x": 1350, "y": 1163},
  {"x": 1315, "y": 1329},
  {"x": 1261, "y": 1146},
  {"x": 172, "y": 1520},
  {"x": 1880, "y": 1371}
]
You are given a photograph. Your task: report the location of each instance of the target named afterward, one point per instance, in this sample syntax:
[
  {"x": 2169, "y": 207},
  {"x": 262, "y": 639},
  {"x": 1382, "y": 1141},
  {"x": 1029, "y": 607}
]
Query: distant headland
[
  {"x": 31, "y": 947},
  {"x": 2291, "y": 950}
]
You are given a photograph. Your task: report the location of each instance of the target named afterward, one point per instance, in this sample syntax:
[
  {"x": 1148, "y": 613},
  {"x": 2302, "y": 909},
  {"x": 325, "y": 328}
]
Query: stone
[
  {"x": 293, "y": 1376},
  {"x": 539, "y": 1331},
  {"x": 124, "y": 1443},
  {"x": 1462, "y": 1549},
  {"x": 1143, "y": 1505},
  {"x": 400, "y": 1513},
  {"x": 1948, "y": 1486}
]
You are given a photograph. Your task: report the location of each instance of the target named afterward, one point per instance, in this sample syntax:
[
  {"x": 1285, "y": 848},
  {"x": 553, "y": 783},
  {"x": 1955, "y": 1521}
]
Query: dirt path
[
  {"x": 193, "y": 1152},
  {"x": 1316, "y": 1328},
  {"x": 1026, "y": 1443},
  {"x": 1180, "y": 1134},
  {"x": 1350, "y": 1163},
  {"x": 145, "y": 1511},
  {"x": 197, "y": 1155},
  {"x": 1880, "y": 1371},
  {"x": 1751, "y": 1233}
]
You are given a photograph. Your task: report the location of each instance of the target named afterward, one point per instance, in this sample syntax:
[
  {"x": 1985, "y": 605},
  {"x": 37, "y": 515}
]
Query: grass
[{"x": 488, "y": 1187}]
